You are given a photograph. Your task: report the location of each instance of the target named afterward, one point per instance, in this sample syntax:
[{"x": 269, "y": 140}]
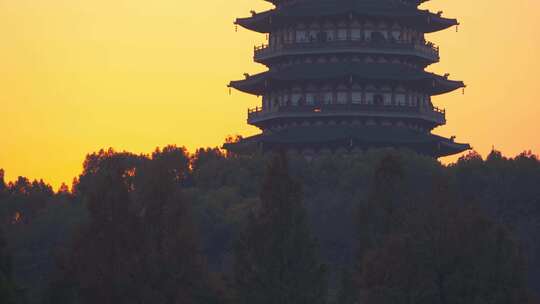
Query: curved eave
[
  {"x": 260, "y": 22},
  {"x": 443, "y": 85},
  {"x": 426, "y": 143},
  {"x": 434, "y": 84},
  {"x": 425, "y": 21},
  {"x": 437, "y": 23},
  {"x": 447, "y": 148}
]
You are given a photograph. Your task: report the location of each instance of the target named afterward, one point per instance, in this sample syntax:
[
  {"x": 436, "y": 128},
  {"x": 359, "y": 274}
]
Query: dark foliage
[
  {"x": 141, "y": 208},
  {"x": 437, "y": 250},
  {"x": 9, "y": 292},
  {"x": 276, "y": 259},
  {"x": 140, "y": 244}
]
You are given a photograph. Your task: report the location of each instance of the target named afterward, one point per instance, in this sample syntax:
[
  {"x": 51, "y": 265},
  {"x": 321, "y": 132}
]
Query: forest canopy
[{"x": 174, "y": 226}]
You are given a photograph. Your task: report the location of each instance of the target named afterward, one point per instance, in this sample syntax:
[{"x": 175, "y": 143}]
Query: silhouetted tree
[
  {"x": 222, "y": 189},
  {"x": 63, "y": 189},
  {"x": 205, "y": 155},
  {"x": 276, "y": 258},
  {"x": 444, "y": 253},
  {"x": 378, "y": 215},
  {"x": 174, "y": 269},
  {"x": 9, "y": 293},
  {"x": 106, "y": 251},
  {"x": 141, "y": 244}
]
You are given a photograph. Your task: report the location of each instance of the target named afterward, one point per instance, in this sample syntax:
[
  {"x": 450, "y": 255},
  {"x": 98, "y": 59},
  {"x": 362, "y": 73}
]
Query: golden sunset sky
[{"x": 80, "y": 75}]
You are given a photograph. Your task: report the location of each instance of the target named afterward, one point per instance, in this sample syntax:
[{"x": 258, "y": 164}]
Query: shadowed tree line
[{"x": 384, "y": 226}]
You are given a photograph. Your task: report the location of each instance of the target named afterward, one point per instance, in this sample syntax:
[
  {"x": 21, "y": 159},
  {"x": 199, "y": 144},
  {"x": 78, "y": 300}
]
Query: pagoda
[{"x": 349, "y": 75}]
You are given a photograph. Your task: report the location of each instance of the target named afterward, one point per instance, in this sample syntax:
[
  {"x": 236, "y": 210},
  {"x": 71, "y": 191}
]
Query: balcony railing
[
  {"x": 434, "y": 113},
  {"x": 427, "y": 49}
]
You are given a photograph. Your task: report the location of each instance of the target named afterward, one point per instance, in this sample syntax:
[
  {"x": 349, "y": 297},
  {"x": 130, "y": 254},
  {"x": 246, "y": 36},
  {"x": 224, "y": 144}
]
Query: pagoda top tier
[
  {"x": 287, "y": 2},
  {"x": 288, "y": 12}
]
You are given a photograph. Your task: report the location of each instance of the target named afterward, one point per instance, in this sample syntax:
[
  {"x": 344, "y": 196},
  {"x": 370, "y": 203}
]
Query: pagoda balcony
[
  {"x": 434, "y": 115},
  {"x": 427, "y": 51}
]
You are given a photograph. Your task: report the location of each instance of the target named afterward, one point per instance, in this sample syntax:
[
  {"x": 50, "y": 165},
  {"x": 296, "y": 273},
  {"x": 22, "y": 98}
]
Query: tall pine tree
[{"x": 276, "y": 259}]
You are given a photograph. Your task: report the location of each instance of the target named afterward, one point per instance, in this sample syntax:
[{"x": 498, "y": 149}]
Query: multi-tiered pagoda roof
[
  {"x": 348, "y": 74},
  {"x": 402, "y": 11}
]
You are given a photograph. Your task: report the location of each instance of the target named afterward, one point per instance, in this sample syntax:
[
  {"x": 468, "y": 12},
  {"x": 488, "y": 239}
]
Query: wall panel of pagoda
[
  {"x": 344, "y": 93},
  {"x": 344, "y": 30}
]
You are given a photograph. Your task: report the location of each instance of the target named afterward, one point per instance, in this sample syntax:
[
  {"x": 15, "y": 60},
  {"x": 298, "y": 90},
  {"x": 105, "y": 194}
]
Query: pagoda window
[
  {"x": 273, "y": 102},
  {"x": 396, "y": 35},
  {"x": 370, "y": 96},
  {"x": 413, "y": 101},
  {"x": 422, "y": 100},
  {"x": 310, "y": 98},
  {"x": 378, "y": 99},
  {"x": 313, "y": 34},
  {"x": 356, "y": 96},
  {"x": 328, "y": 97},
  {"x": 367, "y": 34},
  {"x": 401, "y": 99},
  {"x": 301, "y": 36},
  {"x": 356, "y": 34},
  {"x": 377, "y": 37},
  {"x": 280, "y": 100},
  {"x": 278, "y": 38},
  {"x": 427, "y": 102},
  {"x": 404, "y": 35},
  {"x": 387, "y": 99},
  {"x": 342, "y": 97},
  {"x": 408, "y": 35},
  {"x": 342, "y": 34},
  {"x": 296, "y": 99},
  {"x": 311, "y": 95},
  {"x": 330, "y": 34},
  {"x": 290, "y": 36}
]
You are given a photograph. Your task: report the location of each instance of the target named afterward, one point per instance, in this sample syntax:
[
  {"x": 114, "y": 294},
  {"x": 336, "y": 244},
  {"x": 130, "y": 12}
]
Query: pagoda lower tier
[{"x": 311, "y": 140}]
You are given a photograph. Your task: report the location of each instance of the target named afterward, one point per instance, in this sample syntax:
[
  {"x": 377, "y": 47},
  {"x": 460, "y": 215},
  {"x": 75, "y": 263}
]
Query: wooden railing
[
  {"x": 258, "y": 112},
  {"x": 427, "y": 47}
]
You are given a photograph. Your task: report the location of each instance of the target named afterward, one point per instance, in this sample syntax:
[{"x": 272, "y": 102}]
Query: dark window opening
[{"x": 378, "y": 100}]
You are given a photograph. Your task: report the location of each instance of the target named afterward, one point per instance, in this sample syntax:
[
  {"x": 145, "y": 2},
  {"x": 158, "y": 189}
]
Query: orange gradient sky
[{"x": 80, "y": 75}]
